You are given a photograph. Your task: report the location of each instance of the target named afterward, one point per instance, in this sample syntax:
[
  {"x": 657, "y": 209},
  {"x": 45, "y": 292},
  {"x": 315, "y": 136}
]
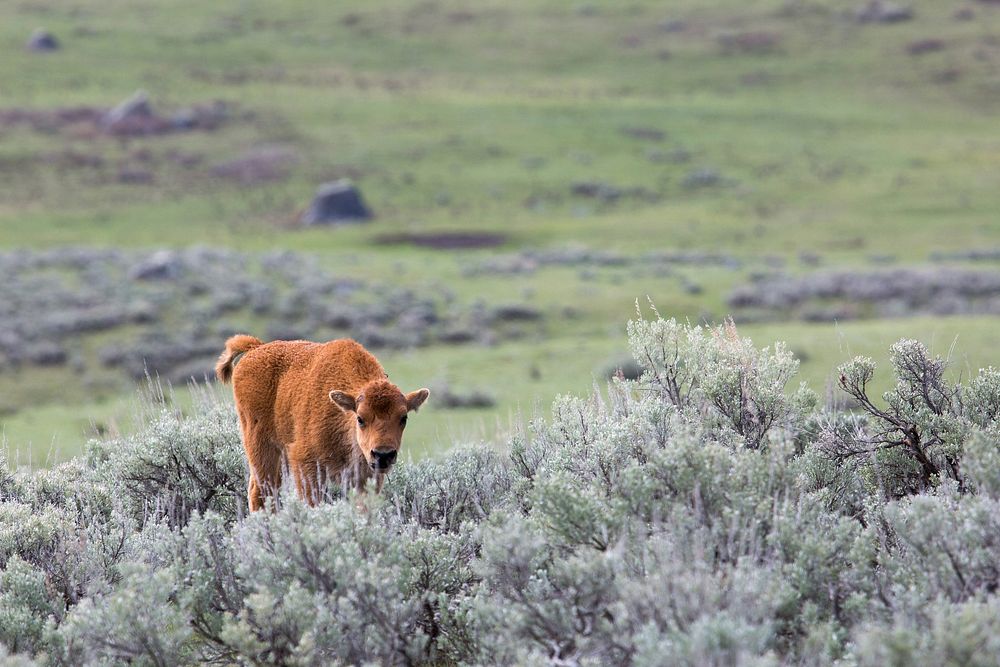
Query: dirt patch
[
  {"x": 444, "y": 240},
  {"x": 50, "y": 120},
  {"x": 922, "y": 46}
]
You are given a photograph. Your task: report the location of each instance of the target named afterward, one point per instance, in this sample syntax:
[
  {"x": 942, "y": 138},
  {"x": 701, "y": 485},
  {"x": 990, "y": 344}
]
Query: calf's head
[{"x": 379, "y": 412}]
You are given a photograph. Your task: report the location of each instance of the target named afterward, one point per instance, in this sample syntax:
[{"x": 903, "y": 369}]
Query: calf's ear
[
  {"x": 416, "y": 398},
  {"x": 346, "y": 402}
]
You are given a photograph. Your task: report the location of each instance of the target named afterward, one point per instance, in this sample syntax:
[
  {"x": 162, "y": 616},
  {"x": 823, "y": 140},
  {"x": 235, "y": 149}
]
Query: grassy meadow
[{"x": 777, "y": 134}]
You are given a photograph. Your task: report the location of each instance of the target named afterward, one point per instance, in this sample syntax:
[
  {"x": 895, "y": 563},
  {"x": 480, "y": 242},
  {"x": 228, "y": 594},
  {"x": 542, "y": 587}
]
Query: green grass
[
  {"x": 846, "y": 131},
  {"x": 524, "y": 377},
  {"x": 838, "y": 142}
]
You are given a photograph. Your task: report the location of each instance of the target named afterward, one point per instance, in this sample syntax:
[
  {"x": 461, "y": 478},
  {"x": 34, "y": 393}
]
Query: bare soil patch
[{"x": 445, "y": 240}]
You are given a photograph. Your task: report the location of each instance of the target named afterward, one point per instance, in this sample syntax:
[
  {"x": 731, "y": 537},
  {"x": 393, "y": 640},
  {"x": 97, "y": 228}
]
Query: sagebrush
[{"x": 707, "y": 513}]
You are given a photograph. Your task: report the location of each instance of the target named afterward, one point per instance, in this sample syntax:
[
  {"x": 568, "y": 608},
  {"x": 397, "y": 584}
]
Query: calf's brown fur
[{"x": 327, "y": 410}]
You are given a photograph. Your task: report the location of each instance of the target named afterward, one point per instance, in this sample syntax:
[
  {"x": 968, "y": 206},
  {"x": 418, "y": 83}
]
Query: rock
[
  {"x": 135, "y": 108},
  {"x": 879, "y": 11},
  {"x": 161, "y": 265},
  {"x": 339, "y": 201},
  {"x": 42, "y": 40}
]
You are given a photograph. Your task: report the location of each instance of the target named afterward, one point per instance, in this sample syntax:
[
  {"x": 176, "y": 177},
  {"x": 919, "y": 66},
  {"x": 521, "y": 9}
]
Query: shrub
[
  {"x": 466, "y": 486},
  {"x": 135, "y": 624},
  {"x": 25, "y": 604},
  {"x": 942, "y": 634},
  {"x": 179, "y": 466},
  {"x": 719, "y": 373},
  {"x": 933, "y": 557},
  {"x": 747, "y": 386},
  {"x": 666, "y": 352},
  {"x": 695, "y": 516},
  {"x": 917, "y": 439}
]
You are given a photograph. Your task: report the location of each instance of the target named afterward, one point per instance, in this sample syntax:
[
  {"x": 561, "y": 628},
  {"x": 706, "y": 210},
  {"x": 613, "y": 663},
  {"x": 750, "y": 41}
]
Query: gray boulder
[
  {"x": 42, "y": 40},
  {"x": 336, "y": 202},
  {"x": 133, "y": 116}
]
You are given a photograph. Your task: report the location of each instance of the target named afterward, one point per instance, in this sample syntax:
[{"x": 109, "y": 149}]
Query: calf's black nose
[{"x": 383, "y": 458}]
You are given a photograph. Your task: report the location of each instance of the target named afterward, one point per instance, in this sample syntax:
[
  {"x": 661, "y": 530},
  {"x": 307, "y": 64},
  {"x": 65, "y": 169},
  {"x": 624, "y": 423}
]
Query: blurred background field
[{"x": 826, "y": 172}]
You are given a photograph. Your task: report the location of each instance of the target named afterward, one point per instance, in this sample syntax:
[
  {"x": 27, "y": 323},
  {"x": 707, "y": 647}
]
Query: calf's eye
[
  {"x": 361, "y": 422},
  {"x": 402, "y": 421}
]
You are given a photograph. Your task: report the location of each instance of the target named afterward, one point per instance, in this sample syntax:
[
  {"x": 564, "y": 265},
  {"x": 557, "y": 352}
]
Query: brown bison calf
[{"x": 327, "y": 410}]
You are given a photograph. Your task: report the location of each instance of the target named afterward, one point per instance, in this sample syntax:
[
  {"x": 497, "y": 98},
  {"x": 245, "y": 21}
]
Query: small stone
[
  {"x": 42, "y": 40},
  {"x": 137, "y": 106}
]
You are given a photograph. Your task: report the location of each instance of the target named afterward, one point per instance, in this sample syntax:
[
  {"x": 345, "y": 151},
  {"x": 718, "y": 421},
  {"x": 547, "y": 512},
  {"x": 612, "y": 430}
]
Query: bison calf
[{"x": 327, "y": 410}]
